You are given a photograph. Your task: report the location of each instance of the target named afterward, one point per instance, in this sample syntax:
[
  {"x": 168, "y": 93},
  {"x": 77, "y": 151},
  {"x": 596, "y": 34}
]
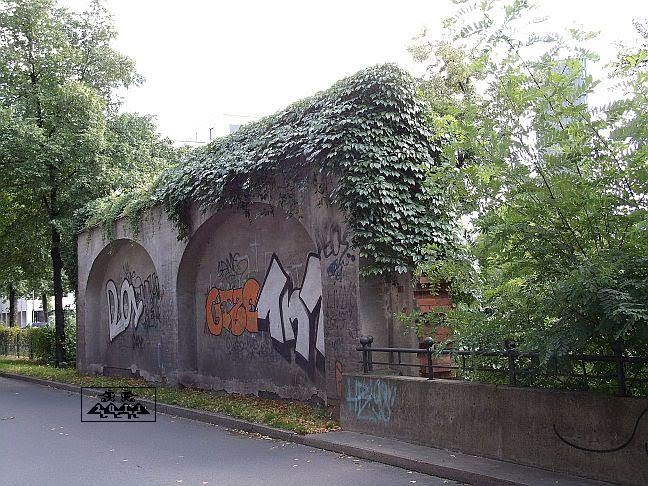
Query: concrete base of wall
[
  {"x": 258, "y": 386},
  {"x": 601, "y": 437},
  {"x": 132, "y": 372}
]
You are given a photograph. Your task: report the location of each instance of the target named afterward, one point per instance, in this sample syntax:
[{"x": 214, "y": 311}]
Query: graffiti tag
[
  {"x": 148, "y": 292},
  {"x": 333, "y": 243},
  {"x": 123, "y": 308},
  {"x": 136, "y": 302},
  {"x": 371, "y": 400},
  {"x": 234, "y": 310},
  {"x": 232, "y": 269},
  {"x": 294, "y": 314}
]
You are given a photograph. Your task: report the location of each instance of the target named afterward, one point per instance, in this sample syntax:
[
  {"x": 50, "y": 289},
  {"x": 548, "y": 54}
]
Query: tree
[
  {"x": 557, "y": 189},
  {"x": 25, "y": 263},
  {"x": 58, "y": 75}
]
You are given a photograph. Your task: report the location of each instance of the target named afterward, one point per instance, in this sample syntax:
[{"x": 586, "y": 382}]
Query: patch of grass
[{"x": 284, "y": 414}]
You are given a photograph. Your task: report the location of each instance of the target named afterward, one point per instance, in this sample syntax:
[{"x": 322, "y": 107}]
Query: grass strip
[{"x": 283, "y": 414}]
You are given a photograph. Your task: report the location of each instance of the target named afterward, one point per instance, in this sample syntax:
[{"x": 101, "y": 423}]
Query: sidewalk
[
  {"x": 437, "y": 462},
  {"x": 442, "y": 463}
]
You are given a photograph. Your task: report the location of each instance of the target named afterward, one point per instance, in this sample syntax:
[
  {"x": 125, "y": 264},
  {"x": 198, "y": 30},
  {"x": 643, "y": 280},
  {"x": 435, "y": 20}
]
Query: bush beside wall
[{"x": 38, "y": 342}]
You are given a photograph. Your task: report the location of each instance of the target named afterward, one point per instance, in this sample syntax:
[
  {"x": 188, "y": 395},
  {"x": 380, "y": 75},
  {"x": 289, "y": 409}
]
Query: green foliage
[
  {"x": 42, "y": 341},
  {"x": 556, "y": 189},
  {"x": 39, "y": 342},
  {"x": 62, "y": 141},
  {"x": 363, "y": 144},
  {"x": 58, "y": 75},
  {"x": 423, "y": 324}
]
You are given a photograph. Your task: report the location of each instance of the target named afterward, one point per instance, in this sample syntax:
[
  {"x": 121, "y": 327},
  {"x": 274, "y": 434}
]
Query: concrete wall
[
  {"x": 274, "y": 342},
  {"x": 521, "y": 425},
  {"x": 147, "y": 264},
  {"x": 260, "y": 304}
]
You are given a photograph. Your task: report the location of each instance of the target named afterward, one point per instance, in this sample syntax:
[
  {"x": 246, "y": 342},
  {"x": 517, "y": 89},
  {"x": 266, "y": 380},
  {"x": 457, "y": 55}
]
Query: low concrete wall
[{"x": 601, "y": 437}]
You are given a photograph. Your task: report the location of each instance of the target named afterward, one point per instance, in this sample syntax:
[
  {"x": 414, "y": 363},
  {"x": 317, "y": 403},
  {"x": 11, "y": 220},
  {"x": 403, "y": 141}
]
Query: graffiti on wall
[
  {"x": 250, "y": 348},
  {"x": 233, "y": 309},
  {"x": 371, "y": 400},
  {"x": 291, "y": 315},
  {"x": 137, "y": 302},
  {"x": 333, "y": 243},
  {"x": 147, "y": 291},
  {"x": 137, "y": 341},
  {"x": 232, "y": 269},
  {"x": 123, "y": 308}
]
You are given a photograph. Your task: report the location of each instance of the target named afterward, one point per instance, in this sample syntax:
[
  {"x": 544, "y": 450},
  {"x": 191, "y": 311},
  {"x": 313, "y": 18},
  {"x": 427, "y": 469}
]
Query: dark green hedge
[{"x": 38, "y": 342}]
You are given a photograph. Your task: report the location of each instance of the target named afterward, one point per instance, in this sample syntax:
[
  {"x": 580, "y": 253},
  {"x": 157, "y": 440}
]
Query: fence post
[
  {"x": 429, "y": 342},
  {"x": 510, "y": 352},
  {"x": 617, "y": 347},
  {"x": 18, "y": 344},
  {"x": 367, "y": 364}
]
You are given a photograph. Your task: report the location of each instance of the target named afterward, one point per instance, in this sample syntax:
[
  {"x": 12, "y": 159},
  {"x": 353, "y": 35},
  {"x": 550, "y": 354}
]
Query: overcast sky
[{"x": 206, "y": 60}]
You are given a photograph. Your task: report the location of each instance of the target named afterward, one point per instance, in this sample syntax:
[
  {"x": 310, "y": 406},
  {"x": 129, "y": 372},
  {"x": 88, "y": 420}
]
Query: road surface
[{"x": 44, "y": 442}]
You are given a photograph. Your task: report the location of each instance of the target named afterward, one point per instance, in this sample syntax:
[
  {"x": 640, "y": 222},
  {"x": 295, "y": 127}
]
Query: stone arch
[
  {"x": 122, "y": 311},
  {"x": 249, "y": 305}
]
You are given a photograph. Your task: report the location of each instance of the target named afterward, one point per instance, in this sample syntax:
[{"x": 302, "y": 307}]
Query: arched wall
[
  {"x": 123, "y": 311},
  {"x": 248, "y": 360},
  {"x": 249, "y": 296}
]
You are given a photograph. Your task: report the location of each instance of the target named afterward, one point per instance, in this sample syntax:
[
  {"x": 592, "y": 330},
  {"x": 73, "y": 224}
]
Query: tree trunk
[
  {"x": 45, "y": 306},
  {"x": 13, "y": 303},
  {"x": 59, "y": 319}
]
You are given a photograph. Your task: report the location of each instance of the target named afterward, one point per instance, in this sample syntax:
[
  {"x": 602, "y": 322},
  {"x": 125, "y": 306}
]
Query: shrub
[{"x": 39, "y": 342}]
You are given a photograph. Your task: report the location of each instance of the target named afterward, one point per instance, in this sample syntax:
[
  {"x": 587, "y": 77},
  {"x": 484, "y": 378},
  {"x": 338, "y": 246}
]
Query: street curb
[{"x": 404, "y": 462}]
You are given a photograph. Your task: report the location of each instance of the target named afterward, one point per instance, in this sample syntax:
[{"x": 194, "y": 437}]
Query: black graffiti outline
[
  {"x": 613, "y": 449},
  {"x": 335, "y": 244},
  {"x": 310, "y": 363},
  {"x": 326, "y": 244},
  {"x": 148, "y": 292},
  {"x": 137, "y": 341},
  {"x": 231, "y": 267}
]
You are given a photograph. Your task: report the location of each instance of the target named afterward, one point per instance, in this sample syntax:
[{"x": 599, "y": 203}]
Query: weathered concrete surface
[
  {"x": 521, "y": 425},
  {"x": 149, "y": 349},
  {"x": 263, "y": 303}
]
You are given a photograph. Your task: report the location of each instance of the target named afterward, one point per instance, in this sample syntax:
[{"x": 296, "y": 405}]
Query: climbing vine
[{"x": 367, "y": 133}]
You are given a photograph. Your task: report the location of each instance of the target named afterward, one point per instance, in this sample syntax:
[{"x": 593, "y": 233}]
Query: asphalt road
[{"x": 44, "y": 442}]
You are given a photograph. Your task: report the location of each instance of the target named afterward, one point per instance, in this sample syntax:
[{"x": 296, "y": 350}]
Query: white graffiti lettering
[
  {"x": 290, "y": 312},
  {"x": 123, "y": 307}
]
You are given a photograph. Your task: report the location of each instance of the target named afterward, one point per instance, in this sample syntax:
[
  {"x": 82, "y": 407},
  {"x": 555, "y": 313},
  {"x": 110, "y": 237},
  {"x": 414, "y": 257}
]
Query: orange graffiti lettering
[
  {"x": 234, "y": 310},
  {"x": 250, "y": 298}
]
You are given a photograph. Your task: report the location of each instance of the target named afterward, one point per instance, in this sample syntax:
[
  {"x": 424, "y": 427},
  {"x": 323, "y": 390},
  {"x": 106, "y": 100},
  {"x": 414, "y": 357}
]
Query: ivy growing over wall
[{"x": 367, "y": 133}]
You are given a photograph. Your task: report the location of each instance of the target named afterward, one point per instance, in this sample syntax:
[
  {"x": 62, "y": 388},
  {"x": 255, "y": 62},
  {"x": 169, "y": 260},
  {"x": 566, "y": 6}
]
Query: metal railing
[
  {"x": 16, "y": 346},
  {"x": 517, "y": 367}
]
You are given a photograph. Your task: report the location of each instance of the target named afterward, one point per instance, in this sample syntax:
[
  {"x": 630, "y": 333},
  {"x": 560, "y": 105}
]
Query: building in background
[
  {"x": 29, "y": 310},
  {"x": 219, "y": 126}
]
